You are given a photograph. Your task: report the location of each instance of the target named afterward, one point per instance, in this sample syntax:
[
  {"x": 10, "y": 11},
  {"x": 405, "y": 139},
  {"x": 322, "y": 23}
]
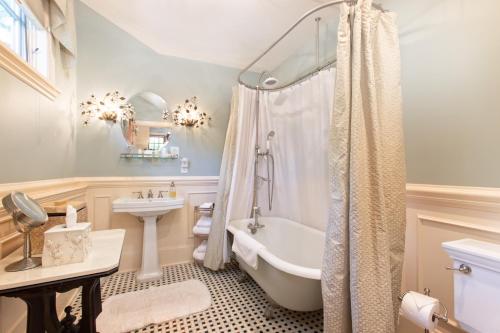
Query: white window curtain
[{"x": 58, "y": 17}]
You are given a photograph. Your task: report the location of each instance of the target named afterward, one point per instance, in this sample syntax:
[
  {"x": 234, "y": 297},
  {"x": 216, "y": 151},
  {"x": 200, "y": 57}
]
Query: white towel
[
  {"x": 207, "y": 205},
  {"x": 204, "y": 221},
  {"x": 202, "y": 247},
  {"x": 198, "y": 256},
  {"x": 247, "y": 248},
  {"x": 201, "y": 231}
]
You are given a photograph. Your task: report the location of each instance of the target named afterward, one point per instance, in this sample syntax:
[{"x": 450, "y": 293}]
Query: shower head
[
  {"x": 270, "y": 82},
  {"x": 270, "y": 135}
]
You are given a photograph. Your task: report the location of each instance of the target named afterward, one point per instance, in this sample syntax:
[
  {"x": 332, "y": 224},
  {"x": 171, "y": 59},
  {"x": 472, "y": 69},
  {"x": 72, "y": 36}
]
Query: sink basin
[
  {"x": 147, "y": 207},
  {"x": 148, "y": 210}
]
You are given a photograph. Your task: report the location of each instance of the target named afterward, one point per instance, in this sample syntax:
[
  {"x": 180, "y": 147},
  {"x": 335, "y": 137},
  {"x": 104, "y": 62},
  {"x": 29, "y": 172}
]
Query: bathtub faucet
[{"x": 255, "y": 225}]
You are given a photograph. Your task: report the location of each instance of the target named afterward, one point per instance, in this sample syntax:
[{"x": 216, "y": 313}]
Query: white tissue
[
  {"x": 419, "y": 309},
  {"x": 71, "y": 216}
]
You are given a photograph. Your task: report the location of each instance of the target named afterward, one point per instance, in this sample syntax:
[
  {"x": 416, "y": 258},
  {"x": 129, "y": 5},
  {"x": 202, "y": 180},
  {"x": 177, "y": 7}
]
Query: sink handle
[{"x": 139, "y": 194}]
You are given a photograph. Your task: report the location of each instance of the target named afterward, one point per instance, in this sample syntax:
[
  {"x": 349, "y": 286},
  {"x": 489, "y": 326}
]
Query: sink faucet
[
  {"x": 150, "y": 194},
  {"x": 139, "y": 194},
  {"x": 255, "y": 225}
]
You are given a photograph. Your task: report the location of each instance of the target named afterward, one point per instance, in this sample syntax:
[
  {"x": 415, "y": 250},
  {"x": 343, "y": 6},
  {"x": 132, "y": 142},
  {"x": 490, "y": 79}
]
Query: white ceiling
[{"x": 225, "y": 32}]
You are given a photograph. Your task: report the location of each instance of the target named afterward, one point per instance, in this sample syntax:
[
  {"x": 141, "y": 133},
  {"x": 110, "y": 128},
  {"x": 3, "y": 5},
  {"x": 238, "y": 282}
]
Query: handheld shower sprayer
[
  {"x": 270, "y": 135},
  {"x": 270, "y": 169}
]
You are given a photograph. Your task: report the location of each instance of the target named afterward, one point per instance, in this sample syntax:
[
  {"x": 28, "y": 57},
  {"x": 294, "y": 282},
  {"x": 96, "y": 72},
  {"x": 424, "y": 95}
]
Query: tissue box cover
[
  {"x": 64, "y": 245},
  {"x": 57, "y": 215}
]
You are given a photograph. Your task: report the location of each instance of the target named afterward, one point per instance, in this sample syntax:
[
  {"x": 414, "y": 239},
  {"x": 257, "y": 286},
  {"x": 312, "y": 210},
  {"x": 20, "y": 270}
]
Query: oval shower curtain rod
[
  {"x": 302, "y": 18},
  {"x": 292, "y": 27}
]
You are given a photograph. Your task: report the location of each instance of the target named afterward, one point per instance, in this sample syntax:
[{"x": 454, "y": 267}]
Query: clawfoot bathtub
[{"x": 289, "y": 267}]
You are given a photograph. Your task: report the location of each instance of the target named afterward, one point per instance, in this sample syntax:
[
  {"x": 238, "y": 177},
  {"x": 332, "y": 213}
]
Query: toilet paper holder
[{"x": 436, "y": 316}]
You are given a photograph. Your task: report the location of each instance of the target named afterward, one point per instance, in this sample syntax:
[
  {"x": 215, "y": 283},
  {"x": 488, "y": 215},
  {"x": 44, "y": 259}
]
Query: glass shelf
[{"x": 149, "y": 156}]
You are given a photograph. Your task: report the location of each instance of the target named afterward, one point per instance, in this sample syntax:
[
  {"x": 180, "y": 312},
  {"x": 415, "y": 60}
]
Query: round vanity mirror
[
  {"x": 150, "y": 131},
  {"x": 33, "y": 215},
  {"x": 27, "y": 214}
]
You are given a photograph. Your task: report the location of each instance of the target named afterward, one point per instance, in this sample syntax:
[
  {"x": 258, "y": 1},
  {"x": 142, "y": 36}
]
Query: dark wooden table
[{"x": 38, "y": 287}]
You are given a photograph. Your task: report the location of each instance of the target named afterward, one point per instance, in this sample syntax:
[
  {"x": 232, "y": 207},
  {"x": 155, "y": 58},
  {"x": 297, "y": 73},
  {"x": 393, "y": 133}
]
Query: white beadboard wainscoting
[
  {"x": 175, "y": 240},
  {"x": 13, "y": 310},
  {"x": 435, "y": 214}
]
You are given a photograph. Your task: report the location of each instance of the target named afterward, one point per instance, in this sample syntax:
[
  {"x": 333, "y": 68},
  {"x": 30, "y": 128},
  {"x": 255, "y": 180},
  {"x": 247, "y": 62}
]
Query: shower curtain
[
  {"x": 300, "y": 117},
  {"x": 363, "y": 257},
  {"x": 234, "y": 192}
]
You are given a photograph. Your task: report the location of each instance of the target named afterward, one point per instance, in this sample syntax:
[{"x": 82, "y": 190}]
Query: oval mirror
[{"x": 150, "y": 130}]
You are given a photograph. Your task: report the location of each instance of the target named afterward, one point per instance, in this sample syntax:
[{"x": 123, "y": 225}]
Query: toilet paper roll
[{"x": 419, "y": 309}]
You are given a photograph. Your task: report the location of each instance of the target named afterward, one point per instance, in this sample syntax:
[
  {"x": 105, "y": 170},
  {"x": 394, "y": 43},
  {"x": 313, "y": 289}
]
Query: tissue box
[
  {"x": 57, "y": 215},
  {"x": 64, "y": 245}
]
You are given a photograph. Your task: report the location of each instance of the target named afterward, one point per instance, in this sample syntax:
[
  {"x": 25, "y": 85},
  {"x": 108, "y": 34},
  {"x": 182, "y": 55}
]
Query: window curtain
[
  {"x": 234, "y": 193},
  {"x": 362, "y": 264},
  {"x": 58, "y": 17}
]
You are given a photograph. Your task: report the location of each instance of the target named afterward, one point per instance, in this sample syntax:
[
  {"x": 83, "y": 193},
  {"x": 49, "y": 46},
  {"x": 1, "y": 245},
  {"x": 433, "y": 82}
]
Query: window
[
  {"x": 24, "y": 35},
  {"x": 156, "y": 142},
  {"x": 25, "y": 48}
]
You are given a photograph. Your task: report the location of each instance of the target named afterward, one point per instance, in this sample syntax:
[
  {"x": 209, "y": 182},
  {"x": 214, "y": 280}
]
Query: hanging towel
[
  {"x": 247, "y": 248},
  {"x": 207, "y": 205},
  {"x": 202, "y": 247},
  {"x": 201, "y": 231},
  {"x": 198, "y": 256},
  {"x": 204, "y": 221}
]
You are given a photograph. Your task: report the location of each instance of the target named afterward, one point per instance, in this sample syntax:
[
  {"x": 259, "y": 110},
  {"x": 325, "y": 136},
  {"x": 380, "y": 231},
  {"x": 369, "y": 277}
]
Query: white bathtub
[{"x": 289, "y": 268}]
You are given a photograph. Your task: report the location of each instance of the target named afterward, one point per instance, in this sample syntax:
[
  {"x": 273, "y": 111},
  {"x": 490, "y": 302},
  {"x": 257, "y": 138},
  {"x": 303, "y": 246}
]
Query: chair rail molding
[
  {"x": 478, "y": 198},
  {"x": 79, "y": 187},
  {"x": 437, "y": 214}
]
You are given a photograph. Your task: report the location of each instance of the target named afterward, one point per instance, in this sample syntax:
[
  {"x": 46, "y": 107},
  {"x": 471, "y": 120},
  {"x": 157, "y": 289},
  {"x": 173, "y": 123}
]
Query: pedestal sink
[{"x": 149, "y": 210}]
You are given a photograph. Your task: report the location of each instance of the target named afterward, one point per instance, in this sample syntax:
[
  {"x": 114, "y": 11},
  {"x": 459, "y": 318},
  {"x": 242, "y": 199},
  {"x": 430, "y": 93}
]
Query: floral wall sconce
[
  {"x": 112, "y": 108},
  {"x": 189, "y": 114}
]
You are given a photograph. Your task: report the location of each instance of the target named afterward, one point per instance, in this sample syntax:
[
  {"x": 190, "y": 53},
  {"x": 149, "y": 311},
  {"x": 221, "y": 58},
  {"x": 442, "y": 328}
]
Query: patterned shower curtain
[{"x": 362, "y": 265}]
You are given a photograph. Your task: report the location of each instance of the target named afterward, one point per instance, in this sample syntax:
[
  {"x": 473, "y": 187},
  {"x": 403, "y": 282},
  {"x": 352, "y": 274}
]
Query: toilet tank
[{"x": 477, "y": 293}]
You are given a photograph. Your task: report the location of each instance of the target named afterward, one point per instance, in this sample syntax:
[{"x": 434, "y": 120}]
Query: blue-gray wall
[
  {"x": 37, "y": 135},
  {"x": 450, "y": 80},
  {"x": 110, "y": 59},
  {"x": 451, "y": 90}
]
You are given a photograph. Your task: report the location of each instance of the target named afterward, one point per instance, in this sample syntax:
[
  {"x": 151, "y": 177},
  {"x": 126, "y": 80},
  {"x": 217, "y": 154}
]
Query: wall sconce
[
  {"x": 112, "y": 108},
  {"x": 189, "y": 115}
]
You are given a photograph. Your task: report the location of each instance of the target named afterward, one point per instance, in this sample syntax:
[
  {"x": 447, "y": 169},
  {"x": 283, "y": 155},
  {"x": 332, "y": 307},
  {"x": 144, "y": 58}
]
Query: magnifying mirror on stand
[{"x": 27, "y": 214}]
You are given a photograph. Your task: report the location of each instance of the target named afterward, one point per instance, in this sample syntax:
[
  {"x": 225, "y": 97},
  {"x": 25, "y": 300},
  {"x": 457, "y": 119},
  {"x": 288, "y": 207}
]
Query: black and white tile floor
[{"x": 236, "y": 307}]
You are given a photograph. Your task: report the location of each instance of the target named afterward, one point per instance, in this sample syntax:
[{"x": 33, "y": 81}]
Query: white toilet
[{"x": 476, "y": 284}]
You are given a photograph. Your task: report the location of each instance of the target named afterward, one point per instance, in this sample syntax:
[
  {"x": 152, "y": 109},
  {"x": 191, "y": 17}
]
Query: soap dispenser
[{"x": 172, "y": 192}]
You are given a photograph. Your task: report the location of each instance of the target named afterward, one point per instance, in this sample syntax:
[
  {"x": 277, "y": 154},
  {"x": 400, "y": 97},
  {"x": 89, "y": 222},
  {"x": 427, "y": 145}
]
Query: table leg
[
  {"x": 91, "y": 305},
  {"x": 42, "y": 316}
]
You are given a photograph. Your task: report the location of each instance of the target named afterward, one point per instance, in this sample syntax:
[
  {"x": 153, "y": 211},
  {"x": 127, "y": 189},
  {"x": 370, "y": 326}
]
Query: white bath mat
[{"x": 134, "y": 310}]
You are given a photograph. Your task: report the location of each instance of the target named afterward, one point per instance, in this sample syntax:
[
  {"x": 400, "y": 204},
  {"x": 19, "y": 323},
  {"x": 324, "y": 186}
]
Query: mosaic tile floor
[{"x": 236, "y": 307}]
